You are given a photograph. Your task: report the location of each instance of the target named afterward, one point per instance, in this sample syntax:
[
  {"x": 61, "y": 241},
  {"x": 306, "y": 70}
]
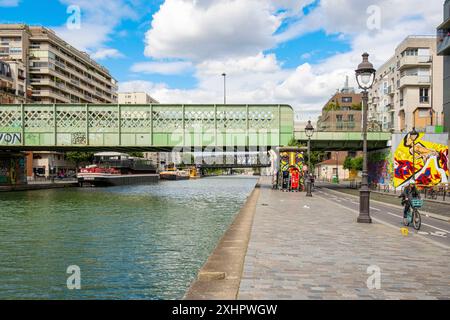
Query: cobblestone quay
[{"x": 312, "y": 248}]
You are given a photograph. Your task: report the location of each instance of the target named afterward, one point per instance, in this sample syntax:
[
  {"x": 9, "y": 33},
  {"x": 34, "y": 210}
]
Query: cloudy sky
[{"x": 273, "y": 51}]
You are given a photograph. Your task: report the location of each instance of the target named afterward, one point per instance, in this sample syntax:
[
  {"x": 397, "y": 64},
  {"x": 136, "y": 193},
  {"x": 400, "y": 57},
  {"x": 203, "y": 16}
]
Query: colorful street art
[
  {"x": 12, "y": 170},
  {"x": 380, "y": 167},
  {"x": 292, "y": 169},
  {"x": 430, "y": 166}
]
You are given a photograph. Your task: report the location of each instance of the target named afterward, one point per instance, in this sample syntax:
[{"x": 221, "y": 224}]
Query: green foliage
[
  {"x": 79, "y": 157},
  {"x": 136, "y": 154},
  {"x": 358, "y": 164},
  {"x": 331, "y": 107},
  {"x": 353, "y": 163},
  {"x": 357, "y": 106},
  {"x": 348, "y": 163}
]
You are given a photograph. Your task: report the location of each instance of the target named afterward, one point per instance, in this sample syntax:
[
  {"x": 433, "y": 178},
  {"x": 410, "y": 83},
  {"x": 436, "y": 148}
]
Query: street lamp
[
  {"x": 309, "y": 131},
  {"x": 365, "y": 76},
  {"x": 224, "y": 75},
  {"x": 415, "y": 134}
]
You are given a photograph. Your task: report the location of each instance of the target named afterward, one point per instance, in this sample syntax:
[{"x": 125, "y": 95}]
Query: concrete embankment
[
  {"x": 220, "y": 276},
  {"x": 38, "y": 186}
]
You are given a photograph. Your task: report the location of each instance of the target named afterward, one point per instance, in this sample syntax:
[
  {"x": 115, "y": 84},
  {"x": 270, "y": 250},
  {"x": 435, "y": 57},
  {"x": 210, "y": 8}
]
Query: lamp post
[
  {"x": 415, "y": 134},
  {"x": 337, "y": 167},
  {"x": 309, "y": 131},
  {"x": 365, "y": 76},
  {"x": 224, "y": 75}
]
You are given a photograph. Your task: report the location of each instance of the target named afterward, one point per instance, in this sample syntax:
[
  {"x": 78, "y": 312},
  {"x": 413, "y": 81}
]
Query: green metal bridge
[
  {"x": 344, "y": 141},
  {"x": 161, "y": 127}
]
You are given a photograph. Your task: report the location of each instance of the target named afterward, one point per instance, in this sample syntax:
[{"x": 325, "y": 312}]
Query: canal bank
[
  {"x": 39, "y": 186},
  {"x": 220, "y": 276}
]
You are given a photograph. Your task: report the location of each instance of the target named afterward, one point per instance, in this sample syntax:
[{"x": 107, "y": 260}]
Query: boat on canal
[{"x": 114, "y": 169}]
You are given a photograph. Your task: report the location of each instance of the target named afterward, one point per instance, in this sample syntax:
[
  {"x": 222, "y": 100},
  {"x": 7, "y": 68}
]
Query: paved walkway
[{"x": 311, "y": 248}]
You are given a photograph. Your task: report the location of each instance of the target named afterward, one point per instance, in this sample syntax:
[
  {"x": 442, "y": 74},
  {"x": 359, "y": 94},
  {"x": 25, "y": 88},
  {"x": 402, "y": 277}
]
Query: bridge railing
[{"x": 145, "y": 125}]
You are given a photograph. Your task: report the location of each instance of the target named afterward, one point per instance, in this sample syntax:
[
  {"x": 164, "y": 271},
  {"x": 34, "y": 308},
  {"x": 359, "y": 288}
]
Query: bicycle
[{"x": 414, "y": 216}]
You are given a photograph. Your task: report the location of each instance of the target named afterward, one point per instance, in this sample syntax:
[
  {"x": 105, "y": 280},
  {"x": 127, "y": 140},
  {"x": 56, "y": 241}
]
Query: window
[
  {"x": 339, "y": 117},
  {"x": 347, "y": 99},
  {"x": 351, "y": 117},
  {"x": 410, "y": 52},
  {"x": 424, "y": 95}
]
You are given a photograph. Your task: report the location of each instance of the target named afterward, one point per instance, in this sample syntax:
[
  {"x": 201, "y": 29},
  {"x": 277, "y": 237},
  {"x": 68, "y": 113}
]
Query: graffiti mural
[
  {"x": 380, "y": 167},
  {"x": 12, "y": 169},
  {"x": 292, "y": 169},
  {"x": 424, "y": 161},
  {"x": 10, "y": 138}
]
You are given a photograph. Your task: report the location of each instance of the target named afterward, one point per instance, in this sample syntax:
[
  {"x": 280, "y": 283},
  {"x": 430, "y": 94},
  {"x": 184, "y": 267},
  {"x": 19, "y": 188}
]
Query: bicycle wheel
[{"x": 417, "y": 220}]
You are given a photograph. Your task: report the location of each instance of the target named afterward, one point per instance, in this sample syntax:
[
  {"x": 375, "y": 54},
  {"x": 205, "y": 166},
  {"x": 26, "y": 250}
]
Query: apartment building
[
  {"x": 443, "y": 48},
  {"x": 56, "y": 71},
  {"x": 342, "y": 112},
  {"x": 407, "y": 91},
  {"x": 13, "y": 86},
  {"x": 135, "y": 98}
]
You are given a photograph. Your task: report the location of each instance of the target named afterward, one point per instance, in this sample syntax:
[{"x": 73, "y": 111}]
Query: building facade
[
  {"x": 342, "y": 112},
  {"x": 135, "y": 98},
  {"x": 51, "y": 164},
  {"x": 443, "y": 48},
  {"x": 55, "y": 71},
  {"x": 407, "y": 90},
  {"x": 13, "y": 87}
]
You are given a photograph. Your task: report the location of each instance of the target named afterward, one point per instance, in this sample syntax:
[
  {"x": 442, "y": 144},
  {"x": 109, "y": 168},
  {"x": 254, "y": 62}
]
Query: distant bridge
[
  {"x": 234, "y": 161},
  {"x": 344, "y": 141}
]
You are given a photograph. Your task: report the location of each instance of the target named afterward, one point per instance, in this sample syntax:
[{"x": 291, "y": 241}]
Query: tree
[
  {"x": 79, "y": 157},
  {"x": 355, "y": 164},
  {"x": 348, "y": 163},
  {"x": 136, "y": 154},
  {"x": 358, "y": 163}
]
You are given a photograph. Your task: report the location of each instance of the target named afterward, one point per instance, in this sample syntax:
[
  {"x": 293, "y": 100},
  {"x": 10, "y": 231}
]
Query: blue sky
[
  {"x": 311, "y": 48},
  {"x": 284, "y": 51}
]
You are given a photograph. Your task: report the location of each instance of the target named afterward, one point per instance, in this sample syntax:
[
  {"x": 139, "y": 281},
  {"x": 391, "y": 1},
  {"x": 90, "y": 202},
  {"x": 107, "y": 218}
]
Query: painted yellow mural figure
[{"x": 430, "y": 161}]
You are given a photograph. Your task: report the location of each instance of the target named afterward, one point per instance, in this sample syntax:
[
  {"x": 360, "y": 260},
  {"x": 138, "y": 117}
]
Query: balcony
[
  {"x": 414, "y": 61},
  {"x": 415, "y": 81},
  {"x": 388, "y": 107},
  {"x": 443, "y": 38}
]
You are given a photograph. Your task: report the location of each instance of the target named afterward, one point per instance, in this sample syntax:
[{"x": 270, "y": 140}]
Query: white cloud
[
  {"x": 9, "y": 3},
  {"x": 98, "y": 21},
  {"x": 166, "y": 68},
  {"x": 141, "y": 86},
  {"x": 222, "y": 36},
  {"x": 207, "y": 29},
  {"x": 104, "y": 53}
]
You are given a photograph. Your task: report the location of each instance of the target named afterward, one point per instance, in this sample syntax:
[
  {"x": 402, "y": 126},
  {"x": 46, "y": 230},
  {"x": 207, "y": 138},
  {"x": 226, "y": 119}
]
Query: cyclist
[{"x": 409, "y": 192}]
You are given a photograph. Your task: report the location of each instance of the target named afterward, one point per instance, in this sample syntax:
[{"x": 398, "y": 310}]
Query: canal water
[{"x": 130, "y": 242}]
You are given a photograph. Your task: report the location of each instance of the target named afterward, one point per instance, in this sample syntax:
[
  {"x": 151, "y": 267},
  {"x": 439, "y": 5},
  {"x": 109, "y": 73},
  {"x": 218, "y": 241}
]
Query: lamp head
[
  {"x": 309, "y": 129},
  {"x": 365, "y": 74}
]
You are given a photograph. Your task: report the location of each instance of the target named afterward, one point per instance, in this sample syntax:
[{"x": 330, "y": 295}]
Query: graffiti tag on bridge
[{"x": 10, "y": 138}]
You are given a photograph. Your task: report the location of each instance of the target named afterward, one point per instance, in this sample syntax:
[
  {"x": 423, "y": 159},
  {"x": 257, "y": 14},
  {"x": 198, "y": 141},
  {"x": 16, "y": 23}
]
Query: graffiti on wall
[
  {"x": 291, "y": 168},
  {"x": 380, "y": 167},
  {"x": 420, "y": 160},
  {"x": 10, "y": 138},
  {"x": 12, "y": 170}
]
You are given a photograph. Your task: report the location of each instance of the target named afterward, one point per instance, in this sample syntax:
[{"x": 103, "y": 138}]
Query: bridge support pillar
[{"x": 12, "y": 169}]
